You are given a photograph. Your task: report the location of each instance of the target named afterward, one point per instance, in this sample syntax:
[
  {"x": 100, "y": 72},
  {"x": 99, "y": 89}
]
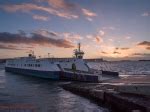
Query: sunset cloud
[
  {"x": 10, "y": 47},
  {"x": 127, "y": 37},
  {"x": 46, "y": 33},
  {"x": 88, "y": 13},
  {"x": 148, "y": 48},
  {"x": 115, "y": 52},
  {"x": 27, "y": 7},
  {"x": 141, "y": 54},
  {"x": 144, "y": 43},
  {"x": 97, "y": 38},
  {"x": 72, "y": 37},
  {"x": 58, "y": 8},
  {"x": 39, "y": 17},
  {"x": 123, "y": 48},
  {"x": 60, "y": 4},
  {"x": 109, "y": 28},
  {"x": 89, "y": 19},
  {"x": 102, "y": 33},
  {"x": 37, "y": 39},
  {"x": 103, "y": 52},
  {"x": 146, "y": 14}
]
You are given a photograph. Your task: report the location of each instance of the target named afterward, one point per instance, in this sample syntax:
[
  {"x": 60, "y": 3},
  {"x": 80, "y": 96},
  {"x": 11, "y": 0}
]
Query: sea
[{"x": 47, "y": 96}]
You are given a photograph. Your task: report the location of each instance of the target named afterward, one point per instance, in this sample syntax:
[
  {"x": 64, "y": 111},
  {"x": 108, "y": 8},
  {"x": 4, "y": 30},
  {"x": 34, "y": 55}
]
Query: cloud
[
  {"x": 22, "y": 33},
  {"x": 89, "y": 36},
  {"x": 71, "y": 36},
  {"x": 88, "y": 13},
  {"x": 110, "y": 39},
  {"x": 27, "y": 7},
  {"x": 123, "y": 48},
  {"x": 97, "y": 39},
  {"x": 117, "y": 48},
  {"x": 10, "y": 47},
  {"x": 46, "y": 33},
  {"x": 60, "y": 4},
  {"x": 36, "y": 39},
  {"x": 127, "y": 37},
  {"x": 39, "y": 17},
  {"x": 115, "y": 52},
  {"x": 89, "y": 19},
  {"x": 109, "y": 28},
  {"x": 102, "y": 33},
  {"x": 103, "y": 52},
  {"x": 71, "y": 7},
  {"x": 60, "y": 8},
  {"x": 144, "y": 43},
  {"x": 141, "y": 54},
  {"x": 145, "y": 14},
  {"x": 148, "y": 48},
  {"x": 99, "y": 36}
]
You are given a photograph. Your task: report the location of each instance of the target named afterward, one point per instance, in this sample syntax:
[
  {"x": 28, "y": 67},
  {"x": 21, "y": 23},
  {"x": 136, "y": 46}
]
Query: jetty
[{"x": 124, "y": 94}]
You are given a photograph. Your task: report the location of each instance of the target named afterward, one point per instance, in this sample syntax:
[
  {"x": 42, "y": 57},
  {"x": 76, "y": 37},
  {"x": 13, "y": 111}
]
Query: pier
[{"x": 126, "y": 94}]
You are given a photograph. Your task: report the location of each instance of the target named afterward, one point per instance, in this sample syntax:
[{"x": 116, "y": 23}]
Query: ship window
[
  {"x": 38, "y": 65},
  {"x": 35, "y": 65},
  {"x": 24, "y": 64}
]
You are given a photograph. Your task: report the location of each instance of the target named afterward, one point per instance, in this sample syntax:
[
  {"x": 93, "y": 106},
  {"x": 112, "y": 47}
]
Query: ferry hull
[
  {"x": 78, "y": 77},
  {"x": 42, "y": 74}
]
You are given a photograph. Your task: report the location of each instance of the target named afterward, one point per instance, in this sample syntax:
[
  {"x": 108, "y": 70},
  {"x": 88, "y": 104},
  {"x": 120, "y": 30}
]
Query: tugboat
[{"x": 74, "y": 68}]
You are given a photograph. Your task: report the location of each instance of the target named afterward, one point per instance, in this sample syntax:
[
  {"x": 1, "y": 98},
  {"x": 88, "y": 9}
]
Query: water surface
[{"x": 45, "y": 95}]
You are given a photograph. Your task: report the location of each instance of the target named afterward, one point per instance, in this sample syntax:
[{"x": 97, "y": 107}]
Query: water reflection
[{"x": 45, "y": 95}]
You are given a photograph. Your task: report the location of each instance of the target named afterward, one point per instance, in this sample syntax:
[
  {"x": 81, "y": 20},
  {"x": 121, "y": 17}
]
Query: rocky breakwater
[{"x": 108, "y": 94}]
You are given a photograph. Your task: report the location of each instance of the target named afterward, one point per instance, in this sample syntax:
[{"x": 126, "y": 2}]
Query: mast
[
  {"x": 78, "y": 52},
  {"x": 79, "y": 46}
]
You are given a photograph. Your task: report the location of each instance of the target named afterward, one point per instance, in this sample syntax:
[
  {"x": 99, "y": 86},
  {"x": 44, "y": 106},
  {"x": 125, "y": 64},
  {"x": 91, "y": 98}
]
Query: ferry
[{"x": 74, "y": 68}]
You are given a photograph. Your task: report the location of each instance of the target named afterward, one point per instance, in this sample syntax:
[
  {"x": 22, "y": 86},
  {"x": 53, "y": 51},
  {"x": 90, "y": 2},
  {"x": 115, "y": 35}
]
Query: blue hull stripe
[{"x": 37, "y": 73}]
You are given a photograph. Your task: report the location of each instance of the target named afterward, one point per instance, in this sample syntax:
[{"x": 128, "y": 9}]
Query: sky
[{"x": 109, "y": 29}]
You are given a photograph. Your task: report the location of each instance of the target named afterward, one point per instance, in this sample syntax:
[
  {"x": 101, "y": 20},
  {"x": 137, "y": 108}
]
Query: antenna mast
[{"x": 78, "y": 53}]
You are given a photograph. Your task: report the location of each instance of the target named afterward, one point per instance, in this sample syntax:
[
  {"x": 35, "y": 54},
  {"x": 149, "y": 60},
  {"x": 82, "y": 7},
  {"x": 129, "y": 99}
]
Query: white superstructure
[
  {"x": 48, "y": 64},
  {"x": 55, "y": 68}
]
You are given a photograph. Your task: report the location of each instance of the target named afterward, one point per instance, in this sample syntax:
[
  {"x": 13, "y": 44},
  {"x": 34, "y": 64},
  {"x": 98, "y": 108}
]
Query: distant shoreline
[{"x": 144, "y": 60}]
